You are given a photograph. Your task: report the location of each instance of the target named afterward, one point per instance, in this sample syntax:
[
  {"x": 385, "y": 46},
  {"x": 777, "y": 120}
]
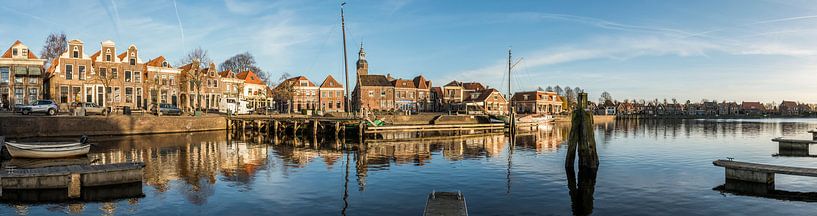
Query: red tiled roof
[
  {"x": 751, "y": 105},
  {"x": 8, "y": 52},
  {"x": 420, "y": 82},
  {"x": 250, "y": 77},
  {"x": 484, "y": 94},
  {"x": 473, "y": 86},
  {"x": 157, "y": 62},
  {"x": 96, "y": 54},
  {"x": 122, "y": 56},
  {"x": 227, "y": 74},
  {"x": 401, "y": 83},
  {"x": 330, "y": 82}
]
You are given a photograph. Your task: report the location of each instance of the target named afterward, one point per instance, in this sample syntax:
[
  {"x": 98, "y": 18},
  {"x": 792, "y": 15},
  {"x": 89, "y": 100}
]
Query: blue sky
[{"x": 689, "y": 50}]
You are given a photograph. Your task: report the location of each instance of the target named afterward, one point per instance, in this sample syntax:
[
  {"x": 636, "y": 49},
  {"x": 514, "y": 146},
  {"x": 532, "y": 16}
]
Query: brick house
[
  {"x": 232, "y": 86},
  {"x": 255, "y": 90},
  {"x": 303, "y": 95},
  {"x": 69, "y": 75},
  {"x": 373, "y": 92},
  {"x": 423, "y": 86},
  {"x": 789, "y": 108},
  {"x": 728, "y": 108},
  {"x": 405, "y": 97},
  {"x": 537, "y": 102},
  {"x": 331, "y": 95},
  {"x": 161, "y": 82},
  {"x": 21, "y": 76},
  {"x": 489, "y": 101},
  {"x": 752, "y": 108},
  {"x": 199, "y": 87}
]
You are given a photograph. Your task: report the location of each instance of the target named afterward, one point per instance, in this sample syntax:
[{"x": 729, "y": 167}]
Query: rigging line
[{"x": 323, "y": 46}]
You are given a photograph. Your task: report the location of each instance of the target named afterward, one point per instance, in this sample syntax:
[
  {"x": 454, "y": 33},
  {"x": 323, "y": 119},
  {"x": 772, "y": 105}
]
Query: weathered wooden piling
[{"x": 581, "y": 137}]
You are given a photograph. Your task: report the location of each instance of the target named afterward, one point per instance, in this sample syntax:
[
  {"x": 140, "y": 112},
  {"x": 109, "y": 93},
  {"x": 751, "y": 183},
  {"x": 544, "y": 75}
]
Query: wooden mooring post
[{"x": 581, "y": 137}]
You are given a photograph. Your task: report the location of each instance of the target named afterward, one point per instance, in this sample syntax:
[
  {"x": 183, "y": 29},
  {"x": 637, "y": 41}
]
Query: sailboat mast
[
  {"x": 509, "y": 74},
  {"x": 345, "y": 60}
]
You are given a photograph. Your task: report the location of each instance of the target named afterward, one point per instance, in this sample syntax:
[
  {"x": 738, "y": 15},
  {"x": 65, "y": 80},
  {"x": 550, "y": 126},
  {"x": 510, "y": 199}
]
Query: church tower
[{"x": 362, "y": 65}]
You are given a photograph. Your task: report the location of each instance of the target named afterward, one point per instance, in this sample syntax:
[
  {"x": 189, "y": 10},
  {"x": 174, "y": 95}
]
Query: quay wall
[
  {"x": 596, "y": 118},
  {"x": 69, "y": 126}
]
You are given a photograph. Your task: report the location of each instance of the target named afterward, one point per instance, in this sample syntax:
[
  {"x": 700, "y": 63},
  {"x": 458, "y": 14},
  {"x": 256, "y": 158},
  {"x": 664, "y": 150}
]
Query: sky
[{"x": 734, "y": 50}]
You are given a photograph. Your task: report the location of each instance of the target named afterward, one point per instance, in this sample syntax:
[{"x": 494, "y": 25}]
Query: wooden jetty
[
  {"x": 72, "y": 177},
  {"x": 341, "y": 127},
  {"x": 445, "y": 204},
  {"x": 793, "y": 147},
  {"x": 760, "y": 173}
]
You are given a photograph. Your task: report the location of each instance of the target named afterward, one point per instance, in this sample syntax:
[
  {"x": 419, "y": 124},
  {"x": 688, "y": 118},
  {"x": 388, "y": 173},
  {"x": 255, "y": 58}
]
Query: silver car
[
  {"x": 41, "y": 106},
  {"x": 90, "y": 108}
]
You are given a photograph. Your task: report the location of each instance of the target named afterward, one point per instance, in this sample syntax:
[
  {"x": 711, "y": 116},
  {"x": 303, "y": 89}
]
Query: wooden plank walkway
[
  {"x": 766, "y": 168},
  {"x": 797, "y": 141},
  {"x": 445, "y": 204},
  {"x": 66, "y": 170}
]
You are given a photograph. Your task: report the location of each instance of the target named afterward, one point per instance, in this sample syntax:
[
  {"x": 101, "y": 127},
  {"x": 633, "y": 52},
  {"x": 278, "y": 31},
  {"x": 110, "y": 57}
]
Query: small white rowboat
[{"x": 47, "y": 149}]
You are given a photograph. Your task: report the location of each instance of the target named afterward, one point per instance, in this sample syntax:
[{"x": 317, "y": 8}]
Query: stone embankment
[{"x": 68, "y": 126}]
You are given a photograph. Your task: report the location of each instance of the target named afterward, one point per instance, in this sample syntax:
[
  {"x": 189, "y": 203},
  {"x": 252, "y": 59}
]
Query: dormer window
[
  {"x": 14, "y": 51},
  {"x": 164, "y": 64},
  {"x": 108, "y": 54},
  {"x": 76, "y": 52},
  {"x": 132, "y": 61},
  {"x": 25, "y": 52}
]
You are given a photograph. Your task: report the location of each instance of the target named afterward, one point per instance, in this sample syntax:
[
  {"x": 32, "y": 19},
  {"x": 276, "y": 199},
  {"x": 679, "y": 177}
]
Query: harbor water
[{"x": 648, "y": 167}]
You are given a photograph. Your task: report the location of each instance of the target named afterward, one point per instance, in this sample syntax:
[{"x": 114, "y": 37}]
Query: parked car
[
  {"x": 41, "y": 106},
  {"x": 90, "y": 108},
  {"x": 264, "y": 111},
  {"x": 165, "y": 109}
]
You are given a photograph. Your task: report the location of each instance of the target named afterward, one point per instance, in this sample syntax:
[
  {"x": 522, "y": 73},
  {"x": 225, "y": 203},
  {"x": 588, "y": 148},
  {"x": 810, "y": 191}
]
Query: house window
[
  {"x": 338, "y": 105},
  {"x": 14, "y": 52},
  {"x": 127, "y": 76},
  {"x": 128, "y": 95},
  {"x": 32, "y": 80},
  {"x": 114, "y": 73},
  {"x": 63, "y": 94},
  {"x": 76, "y": 52},
  {"x": 76, "y": 91},
  {"x": 18, "y": 95},
  {"x": 164, "y": 64},
  {"x": 4, "y": 74},
  {"x": 116, "y": 94},
  {"x": 215, "y": 83},
  {"x": 164, "y": 80},
  {"x": 137, "y": 77},
  {"x": 371, "y": 93},
  {"x": 382, "y": 93},
  {"x": 82, "y": 72},
  {"x": 132, "y": 61},
  {"x": 103, "y": 72},
  {"x": 108, "y": 57},
  {"x": 69, "y": 72}
]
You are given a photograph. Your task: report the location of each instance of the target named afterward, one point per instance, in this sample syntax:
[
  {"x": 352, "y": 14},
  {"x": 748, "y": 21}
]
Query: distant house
[
  {"x": 302, "y": 94},
  {"x": 626, "y": 108},
  {"x": 331, "y": 95},
  {"x": 537, "y": 102},
  {"x": 609, "y": 107},
  {"x": 728, "y": 108},
  {"x": 788, "y": 108},
  {"x": 752, "y": 108},
  {"x": 489, "y": 101}
]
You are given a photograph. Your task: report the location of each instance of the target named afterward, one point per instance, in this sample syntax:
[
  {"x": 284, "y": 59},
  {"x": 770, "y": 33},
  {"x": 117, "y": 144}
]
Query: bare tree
[
  {"x": 55, "y": 44},
  {"x": 559, "y": 90},
  {"x": 605, "y": 96},
  {"x": 284, "y": 91},
  {"x": 102, "y": 77},
  {"x": 198, "y": 55},
  {"x": 243, "y": 62},
  {"x": 571, "y": 96}
]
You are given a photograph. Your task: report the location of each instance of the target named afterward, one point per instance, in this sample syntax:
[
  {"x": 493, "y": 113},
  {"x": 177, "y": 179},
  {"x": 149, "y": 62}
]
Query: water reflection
[
  {"x": 207, "y": 170},
  {"x": 744, "y": 188}
]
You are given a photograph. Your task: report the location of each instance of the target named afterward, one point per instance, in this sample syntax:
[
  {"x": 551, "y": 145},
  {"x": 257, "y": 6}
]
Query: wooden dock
[
  {"x": 760, "y": 173},
  {"x": 72, "y": 177},
  {"x": 445, "y": 204},
  {"x": 793, "y": 147}
]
